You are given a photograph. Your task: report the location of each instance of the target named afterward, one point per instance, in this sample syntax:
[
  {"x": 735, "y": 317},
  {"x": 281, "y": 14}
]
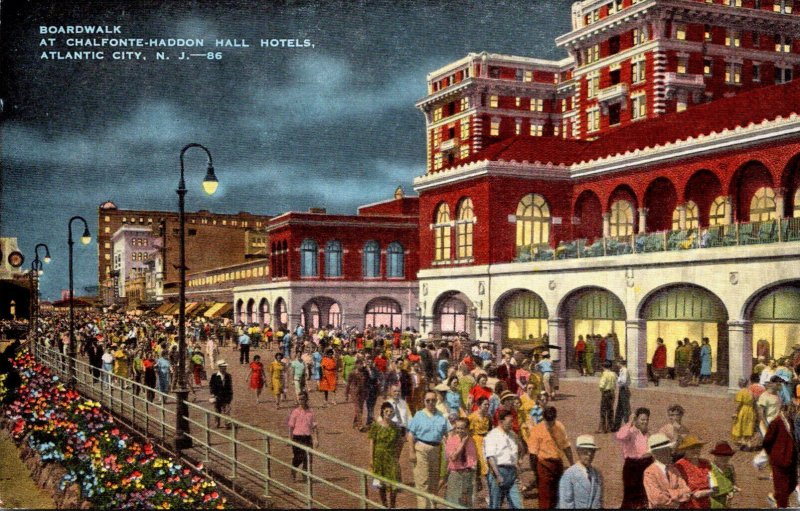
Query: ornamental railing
[
  {"x": 745, "y": 233},
  {"x": 251, "y": 462}
]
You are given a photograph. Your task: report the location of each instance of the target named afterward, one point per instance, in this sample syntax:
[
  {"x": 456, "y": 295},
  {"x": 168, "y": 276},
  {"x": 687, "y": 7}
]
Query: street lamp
[
  {"x": 85, "y": 239},
  {"x": 35, "y": 273},
  {"x": 210, "y": 183}
]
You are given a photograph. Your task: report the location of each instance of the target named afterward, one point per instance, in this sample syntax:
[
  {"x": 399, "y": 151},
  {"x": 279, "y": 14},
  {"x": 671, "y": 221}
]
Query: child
[{"x": 723, "y": 476}]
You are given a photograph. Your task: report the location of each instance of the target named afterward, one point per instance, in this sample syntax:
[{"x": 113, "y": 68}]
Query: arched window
[
  {"x": 453, "y": 316},
  {"x": 762, "y": 205},
  {"x": 719, "y": 211},
  {"x": 333, "y": 259},
  {"x": 383, "y": 311},
  {"x": 533, "y": 220},
  {"x": 308, "y": 258},
  {"x": 251, "y": 312},
  {"x": 263, "y": 309},
  {"x": 797, "y": 203},
  {"x": 441, "y": 234},
  {"x": 372, "y": 259},
  {"x": 692, "y": 217},
  {"x": 240, "y": 311},
  {"x": 395, "y": 260},
  {"x": 335, "y": 316},
  {"x": 621, "y": 218},
  {"x": 465, "y": 224}
]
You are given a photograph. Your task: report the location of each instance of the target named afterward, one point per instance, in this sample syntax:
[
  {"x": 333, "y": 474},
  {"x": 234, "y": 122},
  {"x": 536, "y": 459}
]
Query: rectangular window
[
  {"x": 528, "y": 76},
  {"x": 707, "y": 33},
  {"x": 783, "y": 44},
  {"x": 639, "y": 36},
  {"x": 681, "y": 106},
  {"x": 756, "y": 72},
  {"x": 520, "y": 75},
  {"x": 517, "y": 101},
  {"x": 638, "y": 69},
  {"x": 464, "y": 104},
  {"x": 537, "y": 130},
  {"x": 493, "y": 101},
  {"x": 107, "y": 218},
  {"x": 593, "y": 82},
  {"x": 783, "y": 74},
  {"x": 733, "y": 73},
  {"x": 680, "y": 32},
  {"x": 437, "y": 114},
  {"x": 707, "y": 66},
  {"x": 735, "y": 3},
  {"x": 756, "y": 39},
  {"x": 437, "y": 161},
  {"x": 556, "y": 129},
  {"x": 518, "y": 127},
  {"x": 639, "y": 109},
  {"x": 593, "y": 120},
  {"x": 783, "y": 6},
  {"x": 683, "y": 64},
  {"x": 106, "y": 230},
  {"x": 464, "y": 151},
  {"x": 732, "y": 39},
  {"x": 495, "y": 128},
  {"x": 537, "y": 105},
  {"x": 464, "y": 129}
]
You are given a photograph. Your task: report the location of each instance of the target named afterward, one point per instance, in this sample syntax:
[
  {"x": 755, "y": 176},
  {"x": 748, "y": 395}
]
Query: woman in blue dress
[
  {"x": 452, "y": 399},
  {"x": 705, "y": 361},
  {"x": 316, "y": 368}
]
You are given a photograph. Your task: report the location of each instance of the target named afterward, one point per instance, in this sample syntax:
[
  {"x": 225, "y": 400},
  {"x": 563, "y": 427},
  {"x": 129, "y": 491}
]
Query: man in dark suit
[
  {"x": 221, "y": 387},
  {"x": 782, "y": 451}
]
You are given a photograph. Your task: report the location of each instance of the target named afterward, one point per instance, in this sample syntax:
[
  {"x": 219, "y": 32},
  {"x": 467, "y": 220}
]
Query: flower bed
[{"x": 111, "y": 469}]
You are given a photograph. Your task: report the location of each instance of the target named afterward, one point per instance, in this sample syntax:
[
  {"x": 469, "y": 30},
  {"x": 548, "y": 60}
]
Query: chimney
[{"x": 319, "y": 211}]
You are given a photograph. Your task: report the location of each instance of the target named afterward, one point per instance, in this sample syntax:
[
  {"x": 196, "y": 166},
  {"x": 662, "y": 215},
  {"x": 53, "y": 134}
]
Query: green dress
[
  {"x": 589, "y": 357},
  {"x": 385, "y": 462},
  {"x": 725, "y": 482},
  {"x": 348, "y": 364}
]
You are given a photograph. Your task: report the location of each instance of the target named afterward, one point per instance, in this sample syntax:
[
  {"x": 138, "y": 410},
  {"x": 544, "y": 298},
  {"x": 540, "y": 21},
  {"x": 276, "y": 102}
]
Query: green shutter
[
  {"x": 525, "y": 305},
  {"x": 782, "y": 305},
  {"x": 599, "y": 304},
  {"x": 685, "y": 304}
]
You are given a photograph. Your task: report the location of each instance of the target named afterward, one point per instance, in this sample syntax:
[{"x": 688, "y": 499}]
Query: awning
[
  {"x": 223, "y": 310},
  {"x": 163, "y": 308},
  {"x": 191, "y": 306},
  {"x": 213, "y": 309},
  {"x": 172, "y": 310},
  {"x": 201, "y": 308}
]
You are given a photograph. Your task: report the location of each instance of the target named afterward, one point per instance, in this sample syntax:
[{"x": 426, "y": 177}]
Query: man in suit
[
  {"x": 663, "y": 485},
  {"x": 581, "y": 485},
  {"x": 221, "y": 387},
  {"x": 782, "y": 451}
]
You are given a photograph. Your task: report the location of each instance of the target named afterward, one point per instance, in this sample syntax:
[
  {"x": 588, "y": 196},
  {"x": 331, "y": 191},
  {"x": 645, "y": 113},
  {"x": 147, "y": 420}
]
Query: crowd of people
[{"x": 464, "y": 416}]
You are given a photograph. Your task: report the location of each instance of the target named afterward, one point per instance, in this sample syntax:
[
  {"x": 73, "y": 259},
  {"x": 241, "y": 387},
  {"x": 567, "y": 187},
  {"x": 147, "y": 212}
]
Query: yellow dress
[
  {"x": 745, "y": 422},
  {"x": 276, "y": 374},
  {"x": 524, "y": 414},
  {"x": 478, "y": 428}
]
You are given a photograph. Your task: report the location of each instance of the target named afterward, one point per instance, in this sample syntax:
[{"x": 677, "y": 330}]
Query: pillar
[
  {"x": 643, "y": 220},
  {"x": 728, "y": 210},
  {"x": 557, "y": 334},
  {"x": 780, "y": 201},
  {"x": 636, "y": 339},
  {"x": 606, "y": 225},
  {"x": 294, "y": 320},
  {"x": 681, "y": 217},
  {"x": 740, "y": 350}
]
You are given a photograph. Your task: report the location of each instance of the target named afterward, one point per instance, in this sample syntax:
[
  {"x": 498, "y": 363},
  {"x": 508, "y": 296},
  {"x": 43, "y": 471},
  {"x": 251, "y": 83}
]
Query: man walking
[
  {"x": 425, "y": 434},
  {"x": 633, "y": 438},
  {"x": 581, "y": 486},
  {"x": 623, "y": 412},
  {"x": 608, "y": 382},
  {"x": 302, "y": 425},
  {"x": 502, "y": 456},
  {"x": 663, "y": 484},
  {"x": 548, "y": 443},
  {"x": 221, "y": 387},
  {"x": 462, "y": 460},
  {"x": 244, "y": 348}
]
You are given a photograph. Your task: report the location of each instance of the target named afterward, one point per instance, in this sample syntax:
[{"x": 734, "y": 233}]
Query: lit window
[
  {"x": 593, "y": 83},
  {"x": 494, "y": 130},
  {"x": 639, "y": 110},
  {"x": 107, "y": 257},
  {"x": 395, "y": 260},
  {"x": 464, "y": 151},
  {"x": 796, "y": 210},
  {"x": 106, "y": 230},
  {"x": 518, "y": 127},
  {"x": 680, "y": 32},
  {"x": 308, "y": 258},
  {"x": 680, "y": 106},
  {"x": 733, "y": 73},
  {"x": 707, "y": 66},
  {"x": 638, "y": 69},
  {"x": 692, "y": 217},
  {"x": 536, "y": 130},
  {"x": 333, "y": 259},
  {"x": 575, "y": 125},
  {"x": 732, "y": 39},
  {"x": 593, "y": 120},
  {"x": 783, "y": 6},
  {"x": 441, "y": 234},
  {"x": 528, "y": 76},
  {"x": 707, "y": 33},
  {"x": 437, "y": 114},
  {"x": 639, "y": 36},
  {"x": 464, "y": 104},
  {"x": 621, "y": 221},
  {"x": 564, "y": 105},
  {"x": 735, "y": 3},
  {"x": 493, "y": 101},
  {"x": 537, "y": 105},
  {"x": 464, "y": 129},
  {"x": 107, "y": 218},
  {"x": 783, "y": 44},
  {"x": 762, "y": 205},
  {"x": 532, "y": 220},
  {"x": 465, "y": 223},
  {"x": 683, "y": 64}
]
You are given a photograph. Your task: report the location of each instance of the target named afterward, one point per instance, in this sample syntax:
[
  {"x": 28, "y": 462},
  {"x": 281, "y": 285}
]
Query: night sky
[{"x": 333, "y": 125}]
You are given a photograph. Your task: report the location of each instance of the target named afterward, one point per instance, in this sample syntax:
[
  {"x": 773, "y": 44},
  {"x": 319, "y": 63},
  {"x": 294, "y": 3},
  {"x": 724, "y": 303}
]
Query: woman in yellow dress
[
  {"x": 276, "y": 369},
  {"x": 479, "y": 425},
  {"x": 744, "y": 422}
]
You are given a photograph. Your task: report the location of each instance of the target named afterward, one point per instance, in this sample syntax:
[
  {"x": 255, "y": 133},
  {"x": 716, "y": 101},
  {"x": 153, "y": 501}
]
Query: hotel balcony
[
  {"x": 615, "y": 94},
  {"x": 674, "y": 80},
  {"x": 448, "y": 144}
]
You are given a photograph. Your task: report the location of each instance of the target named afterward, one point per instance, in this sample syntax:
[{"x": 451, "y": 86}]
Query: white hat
[
  {"x": 221, "y": 362},
  {"x": 585, "y": 442},
  {"x": 658, "y": 441}
]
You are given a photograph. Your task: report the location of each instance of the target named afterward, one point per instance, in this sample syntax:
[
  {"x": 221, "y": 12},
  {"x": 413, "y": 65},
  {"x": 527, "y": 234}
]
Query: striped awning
[
  {"x": 213, "y": 309},
  {"x": 163, "y": 308},
  {"x": 223, "y": 310},
  {"x": 191, "y": 306}
]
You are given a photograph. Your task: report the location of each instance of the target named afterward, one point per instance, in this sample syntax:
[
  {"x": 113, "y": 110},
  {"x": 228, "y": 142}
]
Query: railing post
[
  {"x": 309, "y": 485},
  {"x": 604, "y": 247},
  {"x": 163, "y": 420},
  {"x": 780, "y": 230},
  {"x": 234, "y": 451},
  {"x": 267, "y": 463},
  {"x": 208, "y": 436},
  {"x": 364, "y": 491},
  {"x": 133, "y": 404},
  {"x": 738, "y": 241},
  {"x": 146, "y": 416}
]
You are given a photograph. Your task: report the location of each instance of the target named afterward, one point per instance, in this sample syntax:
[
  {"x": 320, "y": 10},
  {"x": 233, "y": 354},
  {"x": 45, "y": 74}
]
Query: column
[
  {"x": 643, "y": 220},
  {"x": 728, "y": 210},
  {"x": 780, "y": 201},
  {"x": 606, "y": 225},
  {"x": 294, "y": 320},
  {"x": 740, "y": 352},
  {"x": 681, "y": 217},
  {"x": 636, "y": 339},
  {"x": 557, "y": 334}
]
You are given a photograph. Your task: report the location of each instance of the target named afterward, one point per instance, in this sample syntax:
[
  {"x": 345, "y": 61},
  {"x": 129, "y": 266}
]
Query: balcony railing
[
  {"x": 614, "y": 93},
  {"x": 448, "y": 144},
  {"x": 674, "y": 80},
  {"x": 747, "y": 233}
]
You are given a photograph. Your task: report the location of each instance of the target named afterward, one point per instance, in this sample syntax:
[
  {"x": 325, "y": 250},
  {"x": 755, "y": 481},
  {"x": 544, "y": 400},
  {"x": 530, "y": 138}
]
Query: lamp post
[
  {"x": 36, "y": 271},
  {"x": 182, "y": 439},
  {"x": 85, "y": 239}
]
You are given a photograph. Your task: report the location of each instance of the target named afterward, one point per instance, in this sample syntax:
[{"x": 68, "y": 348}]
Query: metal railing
[
  {"x": 743, "y": 233},
  {"x": 244, "y": 458}
]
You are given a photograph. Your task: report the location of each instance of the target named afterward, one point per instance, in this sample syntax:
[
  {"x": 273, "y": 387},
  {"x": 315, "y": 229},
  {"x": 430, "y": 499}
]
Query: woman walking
[
  {"x": 384, "y": 447},
  {"x": 744, "y": 422},
  {"x": 303, "y": 430},
  {"x": 328, "y": 381},
  {"x": 276, "y": 372},
  {"x": 256, "y": 376}
]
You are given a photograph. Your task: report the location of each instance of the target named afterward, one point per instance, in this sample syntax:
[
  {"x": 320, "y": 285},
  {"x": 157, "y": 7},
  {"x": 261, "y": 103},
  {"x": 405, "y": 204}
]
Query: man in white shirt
[
  {"x": 401, "y": 415},
  {"x": 502, "y": 456},
  {"x": 623, "y": 412}
]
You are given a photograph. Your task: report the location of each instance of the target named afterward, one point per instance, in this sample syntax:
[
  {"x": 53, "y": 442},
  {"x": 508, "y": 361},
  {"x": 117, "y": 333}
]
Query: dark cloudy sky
[{"x": 333, "y": 125}]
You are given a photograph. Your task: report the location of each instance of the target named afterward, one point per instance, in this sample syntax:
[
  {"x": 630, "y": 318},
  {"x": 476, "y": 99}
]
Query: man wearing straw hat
[
  {"x": 663, "y": 484},
  {"x": 221, "y": 387},
  {"x": 581, "y": 485}
]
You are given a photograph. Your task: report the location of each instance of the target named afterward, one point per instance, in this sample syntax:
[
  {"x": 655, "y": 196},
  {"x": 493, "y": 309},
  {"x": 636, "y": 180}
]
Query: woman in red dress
[
  {"x": 257, "y": 376},
  {"x": 694, "y": 471},
  {"x": 481, "y": 389}
]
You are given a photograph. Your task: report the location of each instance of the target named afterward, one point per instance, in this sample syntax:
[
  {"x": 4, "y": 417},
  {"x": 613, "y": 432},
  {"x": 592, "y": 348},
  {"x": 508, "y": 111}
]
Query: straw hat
[
  {"x": 442, "y": 387},
  {"x": 221, "y": 363},
  {"x": 506, "y": 394},
  {"x": 690, "y": 441},
  {"x": 658, "y": 441},
  {"x": 585, "y": 442}
]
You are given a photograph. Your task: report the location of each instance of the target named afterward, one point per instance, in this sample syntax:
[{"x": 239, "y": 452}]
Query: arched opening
[
  {"x": 532, "y": 221},
  {"x": 588, "y": 221},
  {"x": 593, "y": 313},
  {"x": 691, "y": 312},
  {"x": 790, "y": 182},
  {"x": 775, "y": 314},
  {"x": 451, "y": 314},
  {"x": 383, "y": 311},
  {"x": 702, "y": 188},
  {"x": 660, "y": 199},
  {"x": 263, "y": 312},
  {"x": 251, "y": 311},
  {"x": 240, "y": 311},
  {"x": 747, "y": 180},
  {"x": 281, "y": 313},
  {"x": 319, "y": 311},
  {"x": 310, "y": 315},
  {"x": 523, "y": 315},
  {"x": 335, "y": 316}
]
